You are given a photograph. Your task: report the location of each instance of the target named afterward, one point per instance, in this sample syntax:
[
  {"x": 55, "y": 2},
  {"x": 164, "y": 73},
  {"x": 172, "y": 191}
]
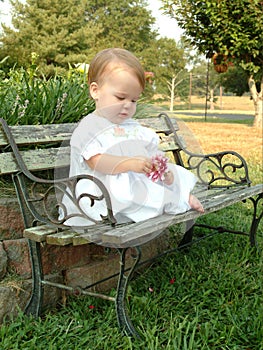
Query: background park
[{"x": 211, "y": 80}]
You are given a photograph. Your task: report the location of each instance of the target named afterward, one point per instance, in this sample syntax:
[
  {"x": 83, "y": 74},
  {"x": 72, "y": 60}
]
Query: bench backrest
[
  {"x": 45, "y": 147},
  {"x": 29, "y": 149},
  {"x": 26, "y": 150}
]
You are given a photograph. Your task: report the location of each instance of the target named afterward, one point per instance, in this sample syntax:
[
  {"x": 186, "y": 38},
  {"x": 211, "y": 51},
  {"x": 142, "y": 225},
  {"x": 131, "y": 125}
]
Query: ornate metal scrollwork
[
  {"x": 221, "y": 169},
  {"x": 50, "y": 200},
  {"x": 217, "y": 170}
]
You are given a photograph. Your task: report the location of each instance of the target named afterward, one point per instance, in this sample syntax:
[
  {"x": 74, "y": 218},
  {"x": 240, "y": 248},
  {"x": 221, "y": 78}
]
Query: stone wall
[{"x": 74, "y": 265}]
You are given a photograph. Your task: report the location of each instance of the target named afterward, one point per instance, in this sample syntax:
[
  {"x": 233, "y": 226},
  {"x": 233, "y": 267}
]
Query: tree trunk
[
  {"x": 212, "y": 106},
  {"x": 171, "y": 87},
  {"x": 221, "y": 97},
  {"x": 258, "y": 101},
  {"x": 172, "y": 95}
]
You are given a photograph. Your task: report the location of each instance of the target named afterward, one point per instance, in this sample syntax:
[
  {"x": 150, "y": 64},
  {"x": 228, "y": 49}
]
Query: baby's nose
[{"x": 127, "y": 104}]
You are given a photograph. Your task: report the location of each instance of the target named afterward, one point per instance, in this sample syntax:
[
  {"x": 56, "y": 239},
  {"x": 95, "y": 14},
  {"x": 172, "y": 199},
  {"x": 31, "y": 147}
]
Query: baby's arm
[{"x": 110, "y": 164}]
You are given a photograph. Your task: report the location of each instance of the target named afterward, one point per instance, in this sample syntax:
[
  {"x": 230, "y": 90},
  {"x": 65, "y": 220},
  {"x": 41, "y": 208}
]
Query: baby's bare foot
[{"x": 195, "y": 204}]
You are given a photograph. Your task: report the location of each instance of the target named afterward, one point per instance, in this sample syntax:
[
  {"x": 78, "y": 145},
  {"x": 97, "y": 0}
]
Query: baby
[{"x": 115, "y": 148}]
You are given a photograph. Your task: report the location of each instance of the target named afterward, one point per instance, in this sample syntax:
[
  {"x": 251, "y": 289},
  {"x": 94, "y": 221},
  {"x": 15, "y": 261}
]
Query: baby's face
[{"x": 117, "y": 96}]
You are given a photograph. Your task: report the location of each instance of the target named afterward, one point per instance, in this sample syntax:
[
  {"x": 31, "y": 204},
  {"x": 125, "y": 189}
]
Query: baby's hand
[
  {"x": 168, "y": 177},
  {"x": 141, "y": 165}
]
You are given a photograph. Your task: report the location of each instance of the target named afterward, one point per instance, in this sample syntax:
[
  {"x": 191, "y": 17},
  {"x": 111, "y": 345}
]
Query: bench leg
[
  {"x": 124, "y": 321},
  {"x": 256, "y": 220},
  {"x": 188, "y": 236},
  {"x": 34, "y": 304}
]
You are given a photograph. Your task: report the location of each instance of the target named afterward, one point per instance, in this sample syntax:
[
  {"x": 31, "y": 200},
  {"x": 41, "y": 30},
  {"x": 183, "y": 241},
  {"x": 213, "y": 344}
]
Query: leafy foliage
[
  {"x": 230, "y": 29},
  {"x": 235, "y": 80},
  {"x": 63, "y": 32},
  {"x": 27, "y": 100},
  {"x": 56, "y": 30},
  {"x": 124, "y": 23}
]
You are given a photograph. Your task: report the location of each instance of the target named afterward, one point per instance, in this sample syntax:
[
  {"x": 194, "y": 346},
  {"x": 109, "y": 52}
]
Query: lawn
[{"x": 208, "y": 298}]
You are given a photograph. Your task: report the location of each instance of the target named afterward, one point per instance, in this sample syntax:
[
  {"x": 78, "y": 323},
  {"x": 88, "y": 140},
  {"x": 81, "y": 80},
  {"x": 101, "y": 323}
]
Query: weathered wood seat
[{"x": 31, "y": 154}]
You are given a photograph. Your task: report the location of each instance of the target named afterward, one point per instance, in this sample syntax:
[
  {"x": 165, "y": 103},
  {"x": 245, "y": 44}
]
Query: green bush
[{"x": 27, "y": 99}]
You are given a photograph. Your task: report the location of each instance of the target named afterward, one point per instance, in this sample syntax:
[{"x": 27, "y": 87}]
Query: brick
[
  {"x": 57, "y": 258},
  {"x": 18, "y": 257},
  {"x": 102, "y": 266},
  {"x": 52, "y": 295},
  {"x": 14, "y": 295},
  {"x": 97, "y": 270},
  {"x": 3, "y": 261},
  {"x": 11, "y": 221}
]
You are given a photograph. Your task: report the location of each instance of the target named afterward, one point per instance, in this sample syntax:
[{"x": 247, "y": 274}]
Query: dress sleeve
[
  {"x": 92, "y": 148},
  {"x": 85, "y": 137}
]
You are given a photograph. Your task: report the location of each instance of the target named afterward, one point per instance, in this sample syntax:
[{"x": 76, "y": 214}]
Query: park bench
[{"x": 31, "y": 153}]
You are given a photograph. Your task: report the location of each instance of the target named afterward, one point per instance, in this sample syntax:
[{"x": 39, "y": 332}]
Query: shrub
[{"x": 27, "y": 99}]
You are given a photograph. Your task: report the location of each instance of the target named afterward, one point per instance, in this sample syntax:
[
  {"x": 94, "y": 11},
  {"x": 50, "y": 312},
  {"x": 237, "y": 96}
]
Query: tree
[
  {"x": 235, "y": 81},
  {"x": 230, "y": 29},
  {"x": 56, "y": 30},
  {"x": 124, "y": 23},
  {"x": 167, "y": 62},
  {"x": 64, "y": 32}
]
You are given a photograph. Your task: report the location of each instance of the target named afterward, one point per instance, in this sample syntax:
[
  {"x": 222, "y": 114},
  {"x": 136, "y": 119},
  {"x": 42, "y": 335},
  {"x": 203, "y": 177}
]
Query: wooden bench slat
[
  {"x": 38, "y": 159},
  {"x": 93, "y": 234},
  {"x": 81, "y": 240},
  {"x": 47, "y": 158},
  {"x": 42, "y": 159},
  {"x": 157, "y": 124},
  {"x": 39, "y": 134},
  {"x": 142, "y": 231},
  {"x": 55, "y": 133},
  {"x": 61, "y": 238},
  {"x": 170, "y": 145},
  {"x": 39, "y": 233},
  {"x": 50, "y": 235},
  {"x": 126, "y": 235}
]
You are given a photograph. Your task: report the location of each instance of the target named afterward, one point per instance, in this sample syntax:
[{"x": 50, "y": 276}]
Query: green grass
[
  {"x": 207, "y": 298},
  {"x": 145, "y": 110},
  {"x": 215, "y": 120}
]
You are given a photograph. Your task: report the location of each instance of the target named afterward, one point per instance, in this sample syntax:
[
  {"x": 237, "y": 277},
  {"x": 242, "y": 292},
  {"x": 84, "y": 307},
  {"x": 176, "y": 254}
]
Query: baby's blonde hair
[{"x": 109, "y": 59}]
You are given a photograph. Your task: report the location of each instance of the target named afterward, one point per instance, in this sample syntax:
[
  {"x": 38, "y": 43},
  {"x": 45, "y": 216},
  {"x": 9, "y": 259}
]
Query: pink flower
[
  {"x": 91, "y": 307},
  {"x": 172, "y": 280},
  {"x": 159, "y": 167}
]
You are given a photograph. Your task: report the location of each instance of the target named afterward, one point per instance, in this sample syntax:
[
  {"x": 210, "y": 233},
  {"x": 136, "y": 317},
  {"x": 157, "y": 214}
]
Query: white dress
[{"x": 134, "y": 196}]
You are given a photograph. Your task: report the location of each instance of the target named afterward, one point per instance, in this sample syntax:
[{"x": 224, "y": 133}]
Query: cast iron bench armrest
[
  {"x": 218, "y": 170},
  {"x": 44, "y": 191},
  {"x": 43, "y": 196},
  {"x": 221, "y": 169}
]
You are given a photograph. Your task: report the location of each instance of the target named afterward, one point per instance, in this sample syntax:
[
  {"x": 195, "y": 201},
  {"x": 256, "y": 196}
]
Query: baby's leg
[{"x": 195, "y": 204}]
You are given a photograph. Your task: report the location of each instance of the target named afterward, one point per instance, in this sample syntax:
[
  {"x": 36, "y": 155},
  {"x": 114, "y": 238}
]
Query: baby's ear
[{"x": 93, "y": 90}]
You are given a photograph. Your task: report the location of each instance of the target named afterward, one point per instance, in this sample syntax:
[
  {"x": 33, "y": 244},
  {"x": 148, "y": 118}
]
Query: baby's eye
[{"x": 120, "y": 98}]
